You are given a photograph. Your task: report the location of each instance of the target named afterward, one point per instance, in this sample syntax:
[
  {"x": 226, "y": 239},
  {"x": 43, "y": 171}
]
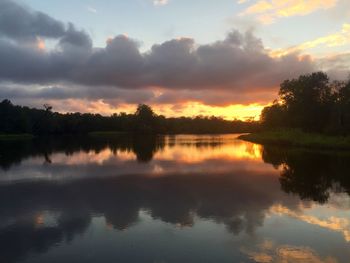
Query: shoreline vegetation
[
  {"x": 16, "y": 119},
  {"x": 299, "y": 138}
]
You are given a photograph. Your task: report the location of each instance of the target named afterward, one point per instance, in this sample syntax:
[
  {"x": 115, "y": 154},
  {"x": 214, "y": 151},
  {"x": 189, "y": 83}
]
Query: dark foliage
[
  {"x": 312, "y": 103},
  {"x": 17, "y": 119}
]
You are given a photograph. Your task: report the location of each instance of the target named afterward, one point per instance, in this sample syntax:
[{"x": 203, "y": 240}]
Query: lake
[{"x": 184, "y": 198}]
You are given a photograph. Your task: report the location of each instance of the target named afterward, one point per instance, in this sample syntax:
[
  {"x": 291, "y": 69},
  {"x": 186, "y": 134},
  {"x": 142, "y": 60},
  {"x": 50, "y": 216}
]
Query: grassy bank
[
  {"x": 15, "y": 137},
  {"x": 299, "y": 138}
]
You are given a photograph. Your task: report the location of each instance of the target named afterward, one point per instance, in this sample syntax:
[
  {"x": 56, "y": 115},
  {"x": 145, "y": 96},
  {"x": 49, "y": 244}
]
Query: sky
[{"x": 201, "y": 57}]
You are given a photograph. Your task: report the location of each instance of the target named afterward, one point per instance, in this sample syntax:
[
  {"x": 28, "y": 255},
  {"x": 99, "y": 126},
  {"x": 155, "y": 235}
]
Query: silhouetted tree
[
  {"x": 343, "y": 100},
  {"x": 312, "y": 103},
  {"x": 274, "y": 115},
  {"x": 145, "y": 119}
]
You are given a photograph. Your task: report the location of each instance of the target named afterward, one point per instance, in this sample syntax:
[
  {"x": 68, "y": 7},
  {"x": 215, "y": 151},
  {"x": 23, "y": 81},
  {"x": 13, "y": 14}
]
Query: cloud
[
  {"x": 237, "y": 63},
  {"x": 18, "y": 22},
  {"x": 335, "y": 64},
  {"x": 267, "y": 11},
  {"x": 91, "y": 9},
  {"x": 242, "y": 1},
  {"x": 160, "y": 2},
  {"x": 286, "y": 253},
  {"x": 236, "y": 69},
  {"x": 340, "y": 38}
]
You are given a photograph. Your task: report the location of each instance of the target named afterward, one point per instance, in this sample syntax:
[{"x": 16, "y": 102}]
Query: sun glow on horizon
[{"x": 188, "y": 109}]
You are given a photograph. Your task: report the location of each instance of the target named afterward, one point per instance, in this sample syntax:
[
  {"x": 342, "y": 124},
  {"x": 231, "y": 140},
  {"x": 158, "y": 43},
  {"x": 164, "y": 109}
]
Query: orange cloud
[
  {"x": 40, "y": 44},
  {"x": 268, "y": 11},
  {"x": 340, "y": 38},
  {"x": 230, "y": 112}
]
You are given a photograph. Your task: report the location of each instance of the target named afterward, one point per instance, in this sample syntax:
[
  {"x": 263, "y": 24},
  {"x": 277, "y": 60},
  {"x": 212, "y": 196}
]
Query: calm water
[{"x": 172, "y": 199}]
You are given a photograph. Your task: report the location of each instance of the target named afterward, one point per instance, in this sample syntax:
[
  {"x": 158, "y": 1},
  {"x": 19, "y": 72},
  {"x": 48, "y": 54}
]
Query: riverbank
[{"x": 299, "y": 138}]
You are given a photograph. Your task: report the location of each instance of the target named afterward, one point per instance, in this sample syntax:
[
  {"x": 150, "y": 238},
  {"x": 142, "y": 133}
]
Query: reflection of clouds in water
[
  {"x": 92, "y": 157},
  {"x": 114, "y": 167},
  {"x": 339, "y": 201},
  {"x": 237, "y": 201},
  {"x": 66, "y": 208},
  {"x": 285, "y": 254},
  {"x": 333, "y": 223}
]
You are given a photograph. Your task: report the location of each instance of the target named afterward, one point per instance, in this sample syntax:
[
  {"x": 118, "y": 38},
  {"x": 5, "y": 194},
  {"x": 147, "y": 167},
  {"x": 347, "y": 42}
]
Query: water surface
[{"x": 178, "y": 198}]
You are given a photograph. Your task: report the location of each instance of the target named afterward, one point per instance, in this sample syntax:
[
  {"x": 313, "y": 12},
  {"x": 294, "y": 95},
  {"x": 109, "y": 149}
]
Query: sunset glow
[{"x": 229, "y": 64}]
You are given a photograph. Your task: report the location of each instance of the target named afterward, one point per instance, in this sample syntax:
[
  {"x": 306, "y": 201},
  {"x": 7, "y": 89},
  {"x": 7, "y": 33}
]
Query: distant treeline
[
  {"x": 312, "y": 103},
  {"x": 18, "y": 119}
]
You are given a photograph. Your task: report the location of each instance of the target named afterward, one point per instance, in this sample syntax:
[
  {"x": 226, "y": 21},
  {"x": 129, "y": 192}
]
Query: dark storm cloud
[
  {"x": 239, "y": 64},
  {"x": 58, "y": 92},
  {"x": 178, "y": 64},
  {"x": 18, "y": 22}
]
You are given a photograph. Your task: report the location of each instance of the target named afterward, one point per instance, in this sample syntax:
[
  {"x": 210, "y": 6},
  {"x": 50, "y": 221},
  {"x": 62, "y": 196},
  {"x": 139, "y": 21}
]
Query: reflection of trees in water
[
  {"x": 229, "y": 199},
  {"x": 143, "y": 146},
  {"x": 12, "y": 153},
  {"x": 311, "y": 175}
]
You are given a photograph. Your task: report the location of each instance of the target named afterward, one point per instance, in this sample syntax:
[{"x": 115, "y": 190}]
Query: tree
[
  {"x": 274, "y": 116},
  {"x": 306, "y": 102},
  {"x": 47, "y": 107},
  {"x": 343, "y": 98},
  {"x": 145, "y": 119}
]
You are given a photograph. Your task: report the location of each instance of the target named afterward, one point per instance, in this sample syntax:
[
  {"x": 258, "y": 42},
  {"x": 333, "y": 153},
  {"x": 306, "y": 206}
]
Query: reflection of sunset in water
[
  {"x": 183, "y": 149},
  {"x": 188, "y": 150},
  {"x": 153, "y": 157}
]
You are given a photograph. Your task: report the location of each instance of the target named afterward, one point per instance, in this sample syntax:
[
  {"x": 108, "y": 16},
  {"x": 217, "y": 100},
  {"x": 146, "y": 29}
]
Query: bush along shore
[{"x": 299, "y": 138}]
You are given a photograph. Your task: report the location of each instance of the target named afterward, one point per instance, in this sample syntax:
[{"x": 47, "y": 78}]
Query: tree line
[
  {"x": 16, "y": 119},
  {"x": 312, "y": 103}
]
